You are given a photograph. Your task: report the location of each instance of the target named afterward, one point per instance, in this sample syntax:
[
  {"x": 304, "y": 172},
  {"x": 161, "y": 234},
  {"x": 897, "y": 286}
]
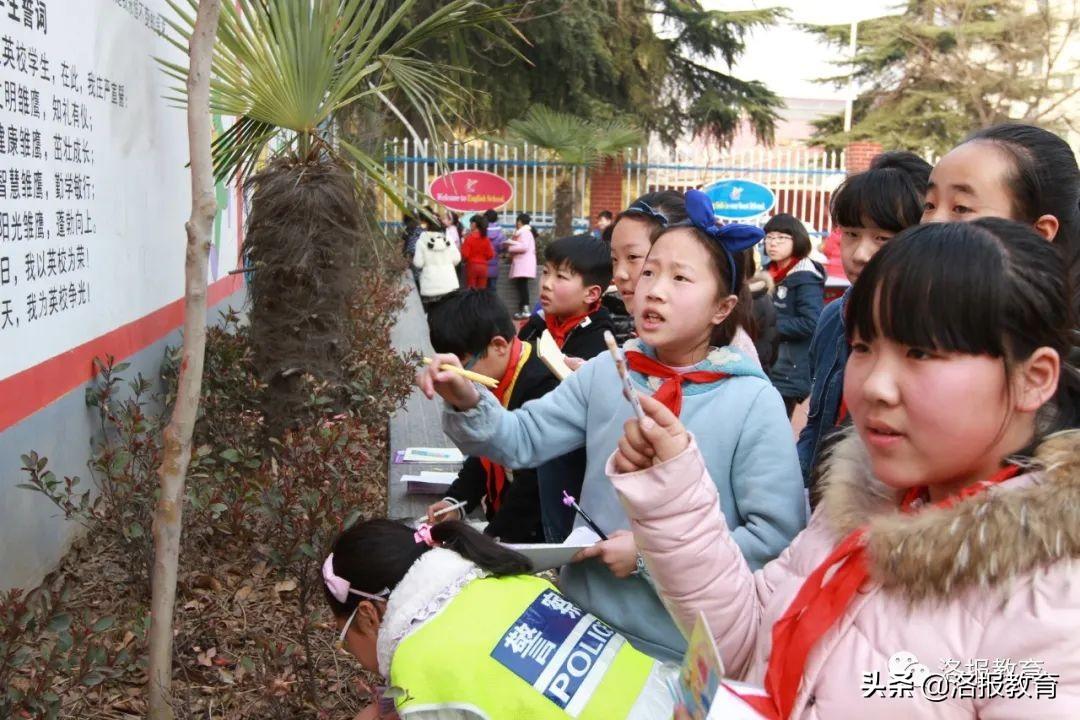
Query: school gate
[{"x": 802, "y": 179}]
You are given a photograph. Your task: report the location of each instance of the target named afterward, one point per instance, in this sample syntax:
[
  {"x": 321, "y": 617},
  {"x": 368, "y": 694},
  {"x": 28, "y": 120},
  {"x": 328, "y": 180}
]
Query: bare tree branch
[{"x": 176, "y": 453}]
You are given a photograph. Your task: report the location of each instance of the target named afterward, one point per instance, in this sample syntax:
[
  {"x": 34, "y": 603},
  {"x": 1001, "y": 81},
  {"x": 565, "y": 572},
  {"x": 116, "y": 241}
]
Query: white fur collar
[
  {"x": 1029, "y": 522},
  {"x": 805, "y": 265},
  {"x": 432, "y": 581}
]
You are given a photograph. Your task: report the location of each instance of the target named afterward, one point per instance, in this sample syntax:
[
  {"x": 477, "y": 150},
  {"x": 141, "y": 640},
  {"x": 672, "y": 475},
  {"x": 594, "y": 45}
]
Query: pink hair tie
[
  {"x": 423, "y": 535},
  {"x": 340, "y": 588}
]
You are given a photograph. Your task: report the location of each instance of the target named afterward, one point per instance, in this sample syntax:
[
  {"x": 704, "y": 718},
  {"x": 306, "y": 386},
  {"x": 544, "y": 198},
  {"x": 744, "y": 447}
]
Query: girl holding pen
[{"x": 690, "y": 289}]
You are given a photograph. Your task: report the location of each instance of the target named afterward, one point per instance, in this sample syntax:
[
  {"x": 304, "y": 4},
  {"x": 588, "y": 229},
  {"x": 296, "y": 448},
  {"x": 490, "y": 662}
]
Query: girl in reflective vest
[{"x": 460, "y": 630}]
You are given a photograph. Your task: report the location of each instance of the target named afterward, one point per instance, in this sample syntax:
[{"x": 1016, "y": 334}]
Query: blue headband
[
  {"x": 640, "y": 207},
  {"x": 731, "y": 238}
]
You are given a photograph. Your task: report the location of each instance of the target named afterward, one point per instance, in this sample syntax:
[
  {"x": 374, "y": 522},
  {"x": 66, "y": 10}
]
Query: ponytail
[
  {"x": 373, "y": 556},
  {"x": 481, "y": 224},
  {"x": 478, "y": 548}
]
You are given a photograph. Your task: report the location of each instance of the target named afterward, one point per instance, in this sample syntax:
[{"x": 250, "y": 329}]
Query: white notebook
[
  {"x": 428, "y": 482},
  {"x": 433, "y": 455},
  {"x": 548, "y": 556},
  {"x": 550, "y": 354}
]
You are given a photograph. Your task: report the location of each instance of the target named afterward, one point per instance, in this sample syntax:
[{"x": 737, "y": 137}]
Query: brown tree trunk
[
  {"x": 177, "y": 437},
  {"x": 564, "y": 206}
]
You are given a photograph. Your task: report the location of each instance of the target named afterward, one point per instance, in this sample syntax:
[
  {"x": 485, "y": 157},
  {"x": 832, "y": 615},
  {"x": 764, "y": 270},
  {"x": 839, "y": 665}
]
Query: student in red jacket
[{"x": 476, "y": 251}]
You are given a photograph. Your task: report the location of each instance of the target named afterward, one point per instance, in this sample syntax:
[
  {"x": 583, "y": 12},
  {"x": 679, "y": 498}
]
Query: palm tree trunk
[
  {"x": 302, "y": 236},
  {"x": 176, "y": 453},
  {"x": 564, "y": 206}
]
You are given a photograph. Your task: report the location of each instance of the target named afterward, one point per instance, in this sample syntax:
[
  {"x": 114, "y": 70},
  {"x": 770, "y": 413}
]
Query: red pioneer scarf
[
  {"x": 670, "y": 392},
  {"x": 560, "y": 330},
  {"x": 841, "y": 413},
  {"x": 778, "y": 273},
  {"x": 495, "y": 473},
  {"x": 506, "y": 382},
  {"x": 817, "y": 607}
]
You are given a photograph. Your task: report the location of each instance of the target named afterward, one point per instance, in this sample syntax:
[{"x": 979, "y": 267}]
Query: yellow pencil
[{"x": 468, "y": 374}]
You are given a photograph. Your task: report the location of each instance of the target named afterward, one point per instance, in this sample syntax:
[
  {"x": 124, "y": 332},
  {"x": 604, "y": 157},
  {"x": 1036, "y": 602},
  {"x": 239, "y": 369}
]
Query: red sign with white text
[{"x": 471, "y": 190}]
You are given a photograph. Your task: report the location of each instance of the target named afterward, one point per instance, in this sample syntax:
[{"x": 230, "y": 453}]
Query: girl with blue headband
[{"x": 684, "y": 301}]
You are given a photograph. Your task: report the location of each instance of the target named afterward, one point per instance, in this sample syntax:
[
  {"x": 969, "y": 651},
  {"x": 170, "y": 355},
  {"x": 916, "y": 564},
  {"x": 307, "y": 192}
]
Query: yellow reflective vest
[{"x": 514, "y": 647}]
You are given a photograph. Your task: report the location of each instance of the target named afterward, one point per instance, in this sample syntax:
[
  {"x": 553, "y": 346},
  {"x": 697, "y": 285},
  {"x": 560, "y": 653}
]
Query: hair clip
[
  {"x": 340, "y": 588},
  {"x": 423, "y": 535}
]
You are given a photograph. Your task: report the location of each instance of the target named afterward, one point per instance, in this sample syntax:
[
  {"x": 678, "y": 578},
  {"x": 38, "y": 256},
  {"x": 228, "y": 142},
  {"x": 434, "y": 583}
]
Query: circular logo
[{"x": 738, "y": 199}]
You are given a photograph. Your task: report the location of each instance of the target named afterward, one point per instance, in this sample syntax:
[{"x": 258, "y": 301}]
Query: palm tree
[
  {"x": 282, "y": 69},
  {"x": 572, "y": 141}
]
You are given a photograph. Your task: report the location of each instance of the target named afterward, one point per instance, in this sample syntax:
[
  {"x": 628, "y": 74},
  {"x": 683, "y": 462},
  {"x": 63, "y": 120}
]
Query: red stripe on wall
[{"x": 26, "y": 392}]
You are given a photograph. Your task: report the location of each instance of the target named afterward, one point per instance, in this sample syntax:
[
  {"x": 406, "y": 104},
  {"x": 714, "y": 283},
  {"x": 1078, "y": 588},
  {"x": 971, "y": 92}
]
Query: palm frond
[
  {"x": 615, "y": 136},
  {"x": 572, "y": 139},
  {"x": 373, "y": 170},
  {"x": 568, "y": 137},
  {"x": 283, "y": 67}
]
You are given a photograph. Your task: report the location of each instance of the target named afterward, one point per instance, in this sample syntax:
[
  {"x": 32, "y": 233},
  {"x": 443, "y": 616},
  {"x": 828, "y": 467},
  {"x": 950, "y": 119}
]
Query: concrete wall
[{"x": 33, "y": 534}]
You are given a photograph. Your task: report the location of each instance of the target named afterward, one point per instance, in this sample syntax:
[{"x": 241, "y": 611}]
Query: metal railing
[
  {"x": 802, "y": 178},
  {"x": 528, "y": 169}
]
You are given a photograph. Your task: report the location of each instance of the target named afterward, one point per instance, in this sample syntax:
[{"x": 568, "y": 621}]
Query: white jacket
[{"x": 436, "y": 257}]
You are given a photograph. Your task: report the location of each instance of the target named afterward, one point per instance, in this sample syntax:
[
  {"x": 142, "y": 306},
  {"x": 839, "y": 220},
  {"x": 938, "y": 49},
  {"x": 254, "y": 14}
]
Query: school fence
[
  {"x": 531, "y": 174},
  {"x": 802, "y": 179}
]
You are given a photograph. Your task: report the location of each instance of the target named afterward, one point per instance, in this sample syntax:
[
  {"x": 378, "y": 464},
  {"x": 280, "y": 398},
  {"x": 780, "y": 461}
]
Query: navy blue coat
[
  {"x": 798, "y": 300},
  {"x": 828, "y": 356}
]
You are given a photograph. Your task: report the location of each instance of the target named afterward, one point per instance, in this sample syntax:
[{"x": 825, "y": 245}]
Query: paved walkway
[{"x": 418, "y": 422}]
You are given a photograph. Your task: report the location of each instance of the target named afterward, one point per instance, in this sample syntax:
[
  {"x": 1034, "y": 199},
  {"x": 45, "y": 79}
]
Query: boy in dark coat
[
  {"x": 477, "y": 327},
  {"x": 576, "y": 272}
]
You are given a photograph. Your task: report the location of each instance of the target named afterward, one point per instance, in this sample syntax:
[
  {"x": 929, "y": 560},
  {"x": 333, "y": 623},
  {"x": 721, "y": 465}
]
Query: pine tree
[
  {"x": 605, "y": 59},
  {"x": 941, "y": 68}
]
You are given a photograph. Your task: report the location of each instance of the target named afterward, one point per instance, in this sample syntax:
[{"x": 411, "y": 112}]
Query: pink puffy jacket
[
  {"x": 522, "y": 248},
  {"x": 994, "y": 578}
]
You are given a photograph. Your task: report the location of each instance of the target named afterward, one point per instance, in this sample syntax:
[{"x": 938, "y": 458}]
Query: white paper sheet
[
  {"x": 433, "y": 455},
  {"x": 548, "y": 556}
]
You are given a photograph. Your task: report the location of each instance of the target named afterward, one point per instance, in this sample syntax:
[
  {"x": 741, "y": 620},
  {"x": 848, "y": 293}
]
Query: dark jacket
[
  {"x": 767, "y": 339},
  {"x": 566, "y": 472},
  {"x": 497, "y": 237},
  {"x": 828, "y": 356},
  {"x": 518, "y": 517},
  {"x": 585, "y": 341},
  {"x": 409, "y": 236},
  {"x": 621, "y": 319},
  {"x": 798, "y": 300}
]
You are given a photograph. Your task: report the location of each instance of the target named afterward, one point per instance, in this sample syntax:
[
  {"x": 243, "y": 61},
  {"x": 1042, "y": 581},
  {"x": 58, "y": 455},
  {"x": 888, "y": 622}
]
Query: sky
[{"x": 787, "y": 59}]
